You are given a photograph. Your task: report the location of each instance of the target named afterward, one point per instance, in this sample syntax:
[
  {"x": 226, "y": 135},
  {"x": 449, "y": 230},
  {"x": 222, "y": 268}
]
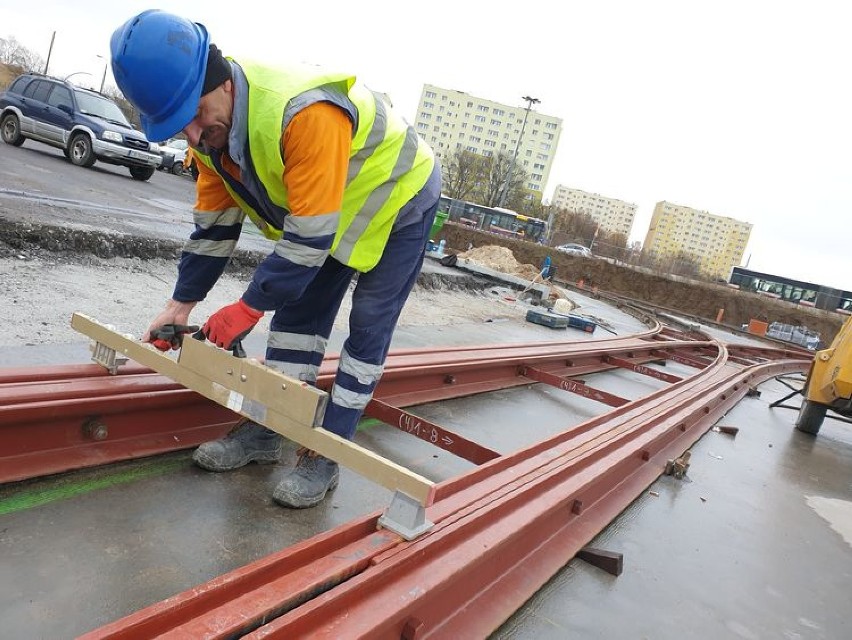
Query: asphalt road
[{"x": 37, "y": 183}]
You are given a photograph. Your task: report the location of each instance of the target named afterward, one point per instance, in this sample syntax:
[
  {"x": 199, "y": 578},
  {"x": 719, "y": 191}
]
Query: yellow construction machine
[{"x": 829, "y": 383}]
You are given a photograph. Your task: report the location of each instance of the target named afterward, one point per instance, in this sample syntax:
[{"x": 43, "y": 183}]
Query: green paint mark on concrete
[
  {"x": 368, "y": 423},
  {"x": 70, "y": 487}
]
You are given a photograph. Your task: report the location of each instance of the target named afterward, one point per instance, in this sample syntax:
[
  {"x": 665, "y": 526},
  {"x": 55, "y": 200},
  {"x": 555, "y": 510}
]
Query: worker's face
[{"x": 212, "y": 122}]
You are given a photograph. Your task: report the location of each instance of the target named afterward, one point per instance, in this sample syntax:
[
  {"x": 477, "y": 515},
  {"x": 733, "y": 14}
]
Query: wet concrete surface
[
  {"x": 750, "y": 545},
  {"x": 734, "y": 551}
]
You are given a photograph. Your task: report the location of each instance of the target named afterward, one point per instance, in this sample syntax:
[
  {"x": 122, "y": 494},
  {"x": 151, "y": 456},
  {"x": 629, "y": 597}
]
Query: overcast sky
[{"x": 738, "y": 108}]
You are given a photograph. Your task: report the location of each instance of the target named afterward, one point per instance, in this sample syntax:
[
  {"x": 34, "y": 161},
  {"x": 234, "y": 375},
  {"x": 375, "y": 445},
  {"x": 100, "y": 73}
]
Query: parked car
[
  {"x": 575, "y": 249},
  {"x": 85, "y": 124},
  {"x": 174, "y": 155}
]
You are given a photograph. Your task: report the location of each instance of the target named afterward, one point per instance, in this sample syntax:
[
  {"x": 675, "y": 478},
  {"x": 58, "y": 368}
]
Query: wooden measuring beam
[{"x": 291, "y": 407}]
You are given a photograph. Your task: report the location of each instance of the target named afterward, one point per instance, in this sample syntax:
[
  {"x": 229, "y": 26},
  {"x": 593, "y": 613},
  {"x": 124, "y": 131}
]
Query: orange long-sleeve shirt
[{"x": 316, "y": 147}]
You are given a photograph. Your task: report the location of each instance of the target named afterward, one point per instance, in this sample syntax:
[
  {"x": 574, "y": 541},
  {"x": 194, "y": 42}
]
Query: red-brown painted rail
[{"x": 501, "y": 530}]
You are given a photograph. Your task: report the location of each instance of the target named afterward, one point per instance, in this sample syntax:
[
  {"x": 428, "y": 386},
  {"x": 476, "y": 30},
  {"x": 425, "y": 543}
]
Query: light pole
[
  {"x": 106, "y": 66},
  {"x": 49, "y": 51},
  {"x": 77, "y": 73},
  {"x": 505, "y": 191}
]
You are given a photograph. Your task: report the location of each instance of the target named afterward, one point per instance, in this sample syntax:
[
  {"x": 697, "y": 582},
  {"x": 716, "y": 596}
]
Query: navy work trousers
[{"x": 303, "y": 326}]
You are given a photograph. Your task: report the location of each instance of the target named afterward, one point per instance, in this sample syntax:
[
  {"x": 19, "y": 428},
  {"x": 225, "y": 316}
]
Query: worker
[{"x": 339, "y": 183}]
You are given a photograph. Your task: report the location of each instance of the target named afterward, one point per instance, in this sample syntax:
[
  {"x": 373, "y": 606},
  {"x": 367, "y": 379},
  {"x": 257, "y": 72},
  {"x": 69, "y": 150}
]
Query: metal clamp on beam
[
  {"x": 107, "y": 357},
  {"x": 406, "y": 517}
]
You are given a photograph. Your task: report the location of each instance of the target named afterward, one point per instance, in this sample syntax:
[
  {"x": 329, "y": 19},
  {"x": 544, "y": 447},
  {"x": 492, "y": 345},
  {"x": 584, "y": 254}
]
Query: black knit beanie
[{"x": 218, "y": 70}]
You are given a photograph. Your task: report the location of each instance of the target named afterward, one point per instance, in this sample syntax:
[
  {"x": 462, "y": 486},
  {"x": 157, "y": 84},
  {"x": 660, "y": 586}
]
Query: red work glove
[{"x": 231, "y": 324}]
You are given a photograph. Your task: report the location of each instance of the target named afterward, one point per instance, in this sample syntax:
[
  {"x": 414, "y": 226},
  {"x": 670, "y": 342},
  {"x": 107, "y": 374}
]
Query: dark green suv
[{"x": 85, "y": 124}]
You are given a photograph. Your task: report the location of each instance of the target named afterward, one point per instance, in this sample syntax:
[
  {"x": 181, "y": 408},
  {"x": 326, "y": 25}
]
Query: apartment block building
[
  {"x": 717, "y": 243},
  {"x": 613, "y": 216},
  {"x": 449, "y": 120}
]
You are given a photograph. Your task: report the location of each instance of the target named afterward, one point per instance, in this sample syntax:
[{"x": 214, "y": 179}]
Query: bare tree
[
  {"x": 498, "y": 168},
  {"x": 19, "y": 57},
  {"x": 464, "y": 171},
  {"x": 573, "y": 226}
]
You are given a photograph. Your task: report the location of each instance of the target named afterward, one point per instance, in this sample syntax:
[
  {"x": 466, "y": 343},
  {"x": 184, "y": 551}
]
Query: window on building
[
  {"x": 470, "y": 105},
  {"x": 549, "y": 125},
  {"x": 482, "y": 108},
  {"x": 548, "y": 136},
  {"x": 430, "y": 94},
  {"x": 479, "y": 118}
]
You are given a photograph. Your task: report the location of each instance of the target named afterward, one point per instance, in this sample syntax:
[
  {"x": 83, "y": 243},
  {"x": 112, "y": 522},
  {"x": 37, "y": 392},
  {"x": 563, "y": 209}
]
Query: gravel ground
[{"x": 38, "y": 295}]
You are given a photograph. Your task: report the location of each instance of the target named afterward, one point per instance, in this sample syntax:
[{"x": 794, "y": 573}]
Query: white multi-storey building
[
  {"x": 612, "y": 215},
  {"x": 717, "y": 243},
  {"x": 449, "y": 120}
]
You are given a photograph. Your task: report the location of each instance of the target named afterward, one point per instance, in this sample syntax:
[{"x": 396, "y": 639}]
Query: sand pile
[{"x": 500, "y": 259}]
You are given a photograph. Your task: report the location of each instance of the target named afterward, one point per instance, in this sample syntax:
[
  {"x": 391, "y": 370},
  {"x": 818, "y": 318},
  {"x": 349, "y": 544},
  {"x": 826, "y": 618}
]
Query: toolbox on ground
[{"x": 560, "y": 321}]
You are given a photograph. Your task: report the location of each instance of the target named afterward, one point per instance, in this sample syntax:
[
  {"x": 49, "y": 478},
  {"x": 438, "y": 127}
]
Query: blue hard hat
[{"x": 159, "y": 61}]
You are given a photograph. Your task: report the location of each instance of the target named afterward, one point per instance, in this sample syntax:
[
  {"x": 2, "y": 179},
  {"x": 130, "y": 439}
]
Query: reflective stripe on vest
[{"x": 388, "y": 162}]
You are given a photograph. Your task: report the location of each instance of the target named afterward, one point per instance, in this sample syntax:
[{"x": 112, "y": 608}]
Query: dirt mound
[
  {"x": 500, "y": 259},
  {"x": 696, "y": 299}
]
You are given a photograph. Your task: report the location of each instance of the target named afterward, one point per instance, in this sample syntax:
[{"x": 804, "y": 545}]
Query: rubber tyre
[
  {"x": 177, "y": 168},
  {"x": 141, "y": 173},
  {"x": 10, "y": 127},
  {"x": 80, "y": 151},
  {"x": 811, "y": 416}
]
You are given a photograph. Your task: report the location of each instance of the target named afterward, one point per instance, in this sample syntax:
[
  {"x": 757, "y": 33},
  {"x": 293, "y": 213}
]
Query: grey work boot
[
  {"x": 247, "y": 442},
  {"x": 308, "y": 482}
]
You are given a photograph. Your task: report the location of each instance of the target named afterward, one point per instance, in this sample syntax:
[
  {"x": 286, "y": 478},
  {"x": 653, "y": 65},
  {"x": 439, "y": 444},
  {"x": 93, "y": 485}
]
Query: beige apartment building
[
  {"x": 448, "y": 120},
  {"x": 613, "y": 216},
  {"x": 716, "y": 242}
]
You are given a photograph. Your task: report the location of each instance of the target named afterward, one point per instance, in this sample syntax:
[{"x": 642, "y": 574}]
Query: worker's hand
[
  {"x": 230, "y": 324},
  {"x": 174, "y": 313}
]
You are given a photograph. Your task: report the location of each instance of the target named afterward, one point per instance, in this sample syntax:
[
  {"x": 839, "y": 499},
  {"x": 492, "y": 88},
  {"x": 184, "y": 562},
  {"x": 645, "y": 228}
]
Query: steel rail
[
  {"x": 501, "y": 530},
  {"x": 55, "y": 419}
]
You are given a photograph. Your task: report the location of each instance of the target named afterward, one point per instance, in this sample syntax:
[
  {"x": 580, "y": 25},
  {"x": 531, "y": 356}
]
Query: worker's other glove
[
  {"x": 230, "y": 324},
  {"x": 170, "y": 336}
]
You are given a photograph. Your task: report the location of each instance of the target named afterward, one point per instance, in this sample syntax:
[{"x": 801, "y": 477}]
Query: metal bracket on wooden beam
[
  {"x": 610, "y": 561},
  {"x": 405, "y": 516},
  {"x": 107, "y": 357}
]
